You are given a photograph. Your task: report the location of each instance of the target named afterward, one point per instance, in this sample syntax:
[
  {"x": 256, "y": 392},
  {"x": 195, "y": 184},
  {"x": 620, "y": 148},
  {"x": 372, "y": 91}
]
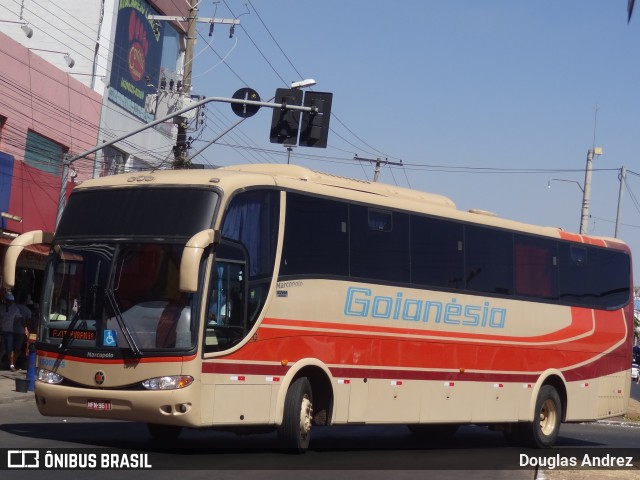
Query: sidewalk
[{"x": 8, "y": 393}]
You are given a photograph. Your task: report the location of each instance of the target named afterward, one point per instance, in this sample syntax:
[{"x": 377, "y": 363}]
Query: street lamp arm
[
  {"x": 563, "y": 180},
  {"x": 67, "y": 161}
]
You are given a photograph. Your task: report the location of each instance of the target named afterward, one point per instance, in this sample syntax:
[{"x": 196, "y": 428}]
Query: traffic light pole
[{"x": 68, "y": 160}]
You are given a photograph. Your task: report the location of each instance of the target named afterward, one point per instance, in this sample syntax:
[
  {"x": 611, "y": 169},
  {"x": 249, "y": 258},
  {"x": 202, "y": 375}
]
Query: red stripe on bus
[
  {"x": 450, "y": 378},
  {"x": 583, "y": 357},
  {"x": 114, "y": 361},
  {"x": 581, "y": 323}
]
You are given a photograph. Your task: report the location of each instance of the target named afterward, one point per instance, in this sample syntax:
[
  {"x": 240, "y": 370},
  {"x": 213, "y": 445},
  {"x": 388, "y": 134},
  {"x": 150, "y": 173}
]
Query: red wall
[{"x": 35, "y": 95}]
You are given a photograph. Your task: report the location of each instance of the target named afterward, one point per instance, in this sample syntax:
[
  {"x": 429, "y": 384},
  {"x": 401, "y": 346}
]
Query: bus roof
[{"x": 299, "y": 178}]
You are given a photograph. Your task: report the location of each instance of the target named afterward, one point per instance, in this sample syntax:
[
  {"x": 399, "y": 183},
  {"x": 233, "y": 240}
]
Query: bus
[{"x": 278, "y": 298}]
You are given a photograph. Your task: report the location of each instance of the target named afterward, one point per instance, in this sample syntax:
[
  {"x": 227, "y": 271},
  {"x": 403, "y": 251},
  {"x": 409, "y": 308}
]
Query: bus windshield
[
  {"x": 112, "y": 281},
  {"x": 116, "y": 296}
]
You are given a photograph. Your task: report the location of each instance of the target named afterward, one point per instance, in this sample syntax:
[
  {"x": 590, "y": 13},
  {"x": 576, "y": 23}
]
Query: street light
[
  {"x": 28, "y": 31},
  {"x": 586, "y": 192},
  {"x": 309, "y": 82},
  {"x": 67, "y": 58},
  {"x": 563, "y": 180}
]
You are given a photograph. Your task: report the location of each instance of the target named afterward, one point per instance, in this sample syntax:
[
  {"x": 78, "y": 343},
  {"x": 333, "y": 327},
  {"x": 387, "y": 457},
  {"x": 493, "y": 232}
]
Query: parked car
[{"x": 635, "y": 371}]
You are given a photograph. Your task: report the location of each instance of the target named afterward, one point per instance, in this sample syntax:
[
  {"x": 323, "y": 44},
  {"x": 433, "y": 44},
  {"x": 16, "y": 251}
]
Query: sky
[{"x": 483, "y": 101}]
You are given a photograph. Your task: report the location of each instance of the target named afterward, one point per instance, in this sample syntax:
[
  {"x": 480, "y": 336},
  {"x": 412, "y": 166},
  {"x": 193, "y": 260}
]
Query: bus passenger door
[{"x": 226, "y": 323}]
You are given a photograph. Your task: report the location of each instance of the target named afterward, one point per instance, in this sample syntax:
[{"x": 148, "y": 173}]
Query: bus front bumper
[{"x": 165, "y": 407}]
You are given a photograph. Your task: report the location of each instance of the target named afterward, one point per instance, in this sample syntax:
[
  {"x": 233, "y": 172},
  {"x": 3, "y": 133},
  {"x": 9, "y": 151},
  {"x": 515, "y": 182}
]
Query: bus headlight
[
  {"x": 47, "y": 376},
  {"x": 168, "y": 383}
]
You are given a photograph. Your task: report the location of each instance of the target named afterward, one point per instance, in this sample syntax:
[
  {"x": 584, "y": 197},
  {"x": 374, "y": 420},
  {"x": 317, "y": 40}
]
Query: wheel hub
[{"x": 306, "y": 412}]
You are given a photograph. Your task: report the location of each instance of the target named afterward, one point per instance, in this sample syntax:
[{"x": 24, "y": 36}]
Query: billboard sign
[{"x": 137, "y": 53}]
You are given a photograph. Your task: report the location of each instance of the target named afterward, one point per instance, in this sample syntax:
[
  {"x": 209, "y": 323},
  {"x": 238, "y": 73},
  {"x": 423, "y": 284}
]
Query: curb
[
  {"x": 17, "y": 398},
  {"x": 8, "y": 393},
  {"x": 620, "y": 423}
]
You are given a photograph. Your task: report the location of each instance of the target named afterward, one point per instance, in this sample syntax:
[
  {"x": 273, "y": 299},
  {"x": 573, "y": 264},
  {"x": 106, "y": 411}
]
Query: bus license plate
[{"x": 99, "y": 404}]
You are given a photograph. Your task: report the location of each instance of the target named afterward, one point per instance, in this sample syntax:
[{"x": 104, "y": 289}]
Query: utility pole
[
  {"x": 623, "y": 179},
  {"x": 180, "y": 150},
  {"x": 378, "y": 162},
  {"x": 181, "y": 146},
  {"x": 586, "y": 193}
]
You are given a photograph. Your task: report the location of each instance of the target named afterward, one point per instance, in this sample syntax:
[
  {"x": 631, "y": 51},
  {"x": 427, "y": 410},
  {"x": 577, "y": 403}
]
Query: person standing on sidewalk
[
  {"x": 21, "y": 329},
  {"x": 10, "y": 313}
]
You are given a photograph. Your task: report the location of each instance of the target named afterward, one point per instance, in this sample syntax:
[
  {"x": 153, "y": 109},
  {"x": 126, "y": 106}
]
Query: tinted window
[
  {"x": 578, "y": 271},
  {"x": 327, "y": 237},
  {"x": 379, "y": 244},
  {"x": 591, "y": 276},
  {"x": 125, "y": 212},
  {"x": 315, "y": 237},
  {"x": 252, "y": 220},
  {"x": 614, "y": 279},
  {"x": 489, "y": 260},
  {"x": 536, "y": 267},
  {"x": 436, "y": 253}
]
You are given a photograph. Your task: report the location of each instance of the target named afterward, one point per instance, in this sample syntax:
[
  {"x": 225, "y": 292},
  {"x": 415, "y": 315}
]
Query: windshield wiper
[
  {"x": 123, "y": 326},
  {"x": 72, "y": 326}
]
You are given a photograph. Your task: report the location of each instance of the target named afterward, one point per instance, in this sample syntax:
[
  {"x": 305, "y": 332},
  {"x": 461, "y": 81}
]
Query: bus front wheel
[
  {"x": 295, "y": 431},
  {"x": 543, "y": 431}
]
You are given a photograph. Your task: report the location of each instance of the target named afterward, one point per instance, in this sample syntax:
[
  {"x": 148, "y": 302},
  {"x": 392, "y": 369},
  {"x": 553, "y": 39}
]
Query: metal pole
[
  {"x": 586, "y": 195},
  {"x": 378, "y": 162},
  {"x": 211, "y": 142},
  {"x": 376, "y": 171},
  {"x": 67, "y": 161},
  {"x": 180, "y": 150},
  {"x": 62, "y": 196},
  {"x": 623, "y": 178}
]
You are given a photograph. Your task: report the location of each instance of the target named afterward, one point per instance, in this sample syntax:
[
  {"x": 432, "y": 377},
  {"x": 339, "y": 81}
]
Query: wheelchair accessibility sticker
[{"x": 109, "y": 338}]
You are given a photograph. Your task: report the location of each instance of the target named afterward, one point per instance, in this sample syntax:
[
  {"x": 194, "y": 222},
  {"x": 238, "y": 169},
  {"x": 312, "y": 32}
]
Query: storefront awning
[{"x": 37, "y": 249}]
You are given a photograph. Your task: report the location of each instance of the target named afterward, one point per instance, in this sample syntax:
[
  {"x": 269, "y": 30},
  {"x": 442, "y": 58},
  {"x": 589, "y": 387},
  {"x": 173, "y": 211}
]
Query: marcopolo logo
[{"x": 360, "y": 302}]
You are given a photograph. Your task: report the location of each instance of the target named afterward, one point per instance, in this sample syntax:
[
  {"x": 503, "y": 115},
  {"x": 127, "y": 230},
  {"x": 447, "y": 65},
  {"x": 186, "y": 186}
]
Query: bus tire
[
  {"x": 295, "y": 431},
  {"x": 163, "y": 433},
  {"x": 543, "y": 431}
]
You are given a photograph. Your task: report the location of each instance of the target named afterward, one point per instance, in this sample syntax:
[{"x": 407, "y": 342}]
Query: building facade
[{"x": 76, "y": 74}]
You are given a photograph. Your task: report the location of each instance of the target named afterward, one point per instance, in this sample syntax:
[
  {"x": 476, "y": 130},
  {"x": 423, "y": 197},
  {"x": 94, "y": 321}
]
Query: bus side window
[
  {"x": 226, "y": 310},
  {"x": 536, "y": 267}
]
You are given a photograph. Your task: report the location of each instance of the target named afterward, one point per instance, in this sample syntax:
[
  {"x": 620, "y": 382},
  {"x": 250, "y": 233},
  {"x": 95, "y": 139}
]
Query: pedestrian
[
  {"x": 21, "y": 328},
  {"x": 10, "y": 313}
]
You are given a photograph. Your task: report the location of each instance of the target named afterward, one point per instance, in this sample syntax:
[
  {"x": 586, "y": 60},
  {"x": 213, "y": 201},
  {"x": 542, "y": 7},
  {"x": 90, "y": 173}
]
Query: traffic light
[
  {"x": 285, "y": 123},
  {"x": 315, "y": 125}
]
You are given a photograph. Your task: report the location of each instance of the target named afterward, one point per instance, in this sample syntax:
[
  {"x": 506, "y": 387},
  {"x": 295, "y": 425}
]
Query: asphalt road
[{"x": 475, "y": 452}]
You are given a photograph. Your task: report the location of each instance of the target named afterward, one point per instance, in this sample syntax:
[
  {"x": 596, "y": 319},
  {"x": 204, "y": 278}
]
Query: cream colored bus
[{"x": 273, "y": 296}]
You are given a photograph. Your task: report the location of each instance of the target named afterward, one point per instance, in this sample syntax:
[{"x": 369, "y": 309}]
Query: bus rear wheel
[
  {"x": 295, "y": 431},
  {"x": 543, "y": 431}
]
